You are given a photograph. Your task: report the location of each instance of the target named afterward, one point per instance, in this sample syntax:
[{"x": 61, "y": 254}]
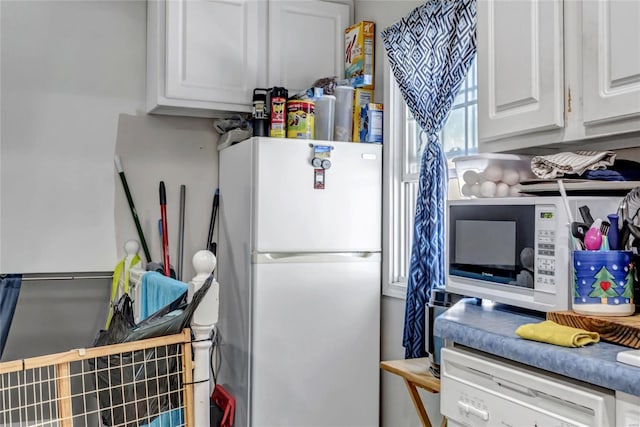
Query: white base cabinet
[
  {"x": 553, "y": 71},
  {"x": 205, "y": 57},
  {"x": 627, "y": 410},
  {"x": 482, "y": 390}
]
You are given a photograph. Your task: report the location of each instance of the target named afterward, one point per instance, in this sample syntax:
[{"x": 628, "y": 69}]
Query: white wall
[
  {"x": 395, "y": 403},
  {"x": 73, "y": 95},
  {"x": 68, "y": 70}
]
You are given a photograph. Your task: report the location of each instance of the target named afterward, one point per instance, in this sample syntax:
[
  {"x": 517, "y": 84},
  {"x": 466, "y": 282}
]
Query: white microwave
[{"x": 515, "y": 250}]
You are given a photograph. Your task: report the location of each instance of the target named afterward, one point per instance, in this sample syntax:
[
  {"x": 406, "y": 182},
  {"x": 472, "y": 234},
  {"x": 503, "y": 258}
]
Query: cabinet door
[
  {"x": 306, "y": 42},
  {"x": 214, "y": 49},
  {"x": 611, "y": 60},
  {"x": 520, "y": 67}
]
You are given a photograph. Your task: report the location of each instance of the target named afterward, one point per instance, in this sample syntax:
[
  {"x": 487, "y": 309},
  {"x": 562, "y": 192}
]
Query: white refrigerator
[{"x": 299, "y": 272}]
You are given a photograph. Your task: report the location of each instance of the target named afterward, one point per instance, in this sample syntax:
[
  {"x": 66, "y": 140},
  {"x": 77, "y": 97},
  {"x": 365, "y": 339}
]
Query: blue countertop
[{"x": 491, "y": 328}]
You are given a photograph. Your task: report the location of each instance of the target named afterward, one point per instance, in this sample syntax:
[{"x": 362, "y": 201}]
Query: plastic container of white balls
[{"x": 492, "y": 175}]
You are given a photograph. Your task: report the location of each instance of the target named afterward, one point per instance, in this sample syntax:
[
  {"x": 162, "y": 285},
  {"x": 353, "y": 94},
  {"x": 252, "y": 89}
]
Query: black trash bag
[
  {"x": 133, "y": 388},
  {"x": 121, "y": 323},
  {"x": 136, "y": 387}
]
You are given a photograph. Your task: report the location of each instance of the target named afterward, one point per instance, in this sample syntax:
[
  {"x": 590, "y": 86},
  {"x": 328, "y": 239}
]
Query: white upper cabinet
[
  {"x": 306, "y": 42},
  {"x": 520, "y": 67},
  {"x": 611, "y": 58},
  {"x": 204, "y": 56},
  {"x": 553, "y": 71}
]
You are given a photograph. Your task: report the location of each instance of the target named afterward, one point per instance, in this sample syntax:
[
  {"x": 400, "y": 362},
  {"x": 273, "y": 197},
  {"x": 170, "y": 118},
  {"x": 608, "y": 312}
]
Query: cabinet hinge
[{"x": 569, "y": 100}]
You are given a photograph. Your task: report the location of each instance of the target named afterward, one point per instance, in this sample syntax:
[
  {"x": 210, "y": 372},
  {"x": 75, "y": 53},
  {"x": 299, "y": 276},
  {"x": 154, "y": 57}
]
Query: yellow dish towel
[{"x": 553, "y": 333}]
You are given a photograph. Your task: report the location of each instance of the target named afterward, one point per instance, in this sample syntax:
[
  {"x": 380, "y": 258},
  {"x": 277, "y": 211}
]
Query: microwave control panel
[{"x": 545, "y": 248}]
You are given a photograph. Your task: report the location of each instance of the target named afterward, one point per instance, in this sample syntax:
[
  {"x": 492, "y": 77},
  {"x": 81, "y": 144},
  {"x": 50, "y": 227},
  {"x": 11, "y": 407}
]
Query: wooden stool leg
[
  {"x": 417, "y": 402},
  {"x": 444, "y": 421}
]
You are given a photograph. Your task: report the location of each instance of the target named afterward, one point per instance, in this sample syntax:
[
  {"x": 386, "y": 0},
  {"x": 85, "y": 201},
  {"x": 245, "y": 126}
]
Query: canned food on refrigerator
[{"x": 300, "y": 119}]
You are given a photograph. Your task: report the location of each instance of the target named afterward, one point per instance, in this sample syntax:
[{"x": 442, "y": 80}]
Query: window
[{"x": 459, "y": 137}]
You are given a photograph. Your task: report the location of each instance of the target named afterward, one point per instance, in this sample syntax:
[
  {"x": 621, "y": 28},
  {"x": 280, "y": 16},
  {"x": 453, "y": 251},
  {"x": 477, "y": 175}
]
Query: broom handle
[
  {"x": 132, "y": 207},
  {"x": 211, "y": 246},
  {"x": 183, "y": 190},
  {"x": 165, "y": 230}
]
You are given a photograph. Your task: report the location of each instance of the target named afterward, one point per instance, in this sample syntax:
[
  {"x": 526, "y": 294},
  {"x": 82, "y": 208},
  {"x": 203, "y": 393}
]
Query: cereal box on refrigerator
[
  {"x": 359, "y": 46},
  {"x": 371, "y": 123},
  {"x": 361, "y": 97}
]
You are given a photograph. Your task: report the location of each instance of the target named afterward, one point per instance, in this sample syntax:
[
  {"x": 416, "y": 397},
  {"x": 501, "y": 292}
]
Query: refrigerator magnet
[
  {"x": 318, "y": 179},
  {"x": 322, "y": 151}
]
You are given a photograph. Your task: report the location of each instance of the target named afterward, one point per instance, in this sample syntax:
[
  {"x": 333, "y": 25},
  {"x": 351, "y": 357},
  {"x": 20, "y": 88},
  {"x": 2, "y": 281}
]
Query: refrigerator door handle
[{"x": 313, "y": 257}]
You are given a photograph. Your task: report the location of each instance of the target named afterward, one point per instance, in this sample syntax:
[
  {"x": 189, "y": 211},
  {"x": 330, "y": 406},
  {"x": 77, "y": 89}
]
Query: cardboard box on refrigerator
[
  {"x": 371, "y": 124},
  {"x": 359, "y": 48},
  {"x": 361, "y": 97}
]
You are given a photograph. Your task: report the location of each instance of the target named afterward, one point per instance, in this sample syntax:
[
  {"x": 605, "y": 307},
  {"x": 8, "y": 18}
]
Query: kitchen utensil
[
  {"x": 625, "y": 233},
  {"x": 614, "y": 232},
  {"x": 586, "y": 215},
  {"x": 593, "y": 236},
  {"x": 630, "y": 206},
  {"x": 634, "y": 230},
  {"x": 604, "y": 229},
  {"x": 579, "y": 229},
  {"x": 577, "y": 245},
  {"x": 132, "y": 208},
  {"x": 165, "y": 230},
  {"x": 563, "y": 194}
]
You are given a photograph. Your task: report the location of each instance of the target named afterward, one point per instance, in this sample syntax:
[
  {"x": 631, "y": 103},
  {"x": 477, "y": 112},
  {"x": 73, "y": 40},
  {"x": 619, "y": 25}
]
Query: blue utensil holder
[{"x": 603, "y": 283}]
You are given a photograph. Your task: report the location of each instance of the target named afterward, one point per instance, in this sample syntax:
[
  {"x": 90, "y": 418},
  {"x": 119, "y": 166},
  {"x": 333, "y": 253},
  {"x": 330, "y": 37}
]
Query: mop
[{"x": 120, "y": 285}]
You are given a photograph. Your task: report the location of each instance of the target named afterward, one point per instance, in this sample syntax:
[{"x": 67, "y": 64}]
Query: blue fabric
[
  {"x": 622, "y": 170},
  {"x": 174, "y": 418},
  {"x": 9, "y": 292},
  {"x": 430, "y": 52},
  {"x": 157, "y": 291}
]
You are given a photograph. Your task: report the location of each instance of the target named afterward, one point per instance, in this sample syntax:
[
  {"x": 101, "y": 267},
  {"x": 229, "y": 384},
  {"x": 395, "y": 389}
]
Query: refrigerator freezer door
[
  {"x": 316, "y": 335},
  {"x": 292, "y": 215}
]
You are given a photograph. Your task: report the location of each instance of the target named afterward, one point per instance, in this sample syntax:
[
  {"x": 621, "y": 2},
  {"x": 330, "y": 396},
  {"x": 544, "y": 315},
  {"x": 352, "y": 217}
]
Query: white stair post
[
  {"x": 135, "y": 272},
  {"x": 131, "y": 248},
  {"x": 202, "y": 323}
]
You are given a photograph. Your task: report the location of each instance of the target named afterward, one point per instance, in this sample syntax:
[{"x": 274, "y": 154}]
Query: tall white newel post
[{"x": 204, "y": 318}]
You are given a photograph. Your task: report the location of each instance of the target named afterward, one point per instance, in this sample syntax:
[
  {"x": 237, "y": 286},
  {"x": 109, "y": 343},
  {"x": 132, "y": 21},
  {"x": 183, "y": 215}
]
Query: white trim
[
  {"x": 396, "y": 228},
  {"x": 395, "y": 290},
  {"x": 394, "y": 122}
]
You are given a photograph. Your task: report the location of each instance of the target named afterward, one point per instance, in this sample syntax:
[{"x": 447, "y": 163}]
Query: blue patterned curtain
[
  {"x": 430, "y": 52},
  {"x": 9, "y": 292}
]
